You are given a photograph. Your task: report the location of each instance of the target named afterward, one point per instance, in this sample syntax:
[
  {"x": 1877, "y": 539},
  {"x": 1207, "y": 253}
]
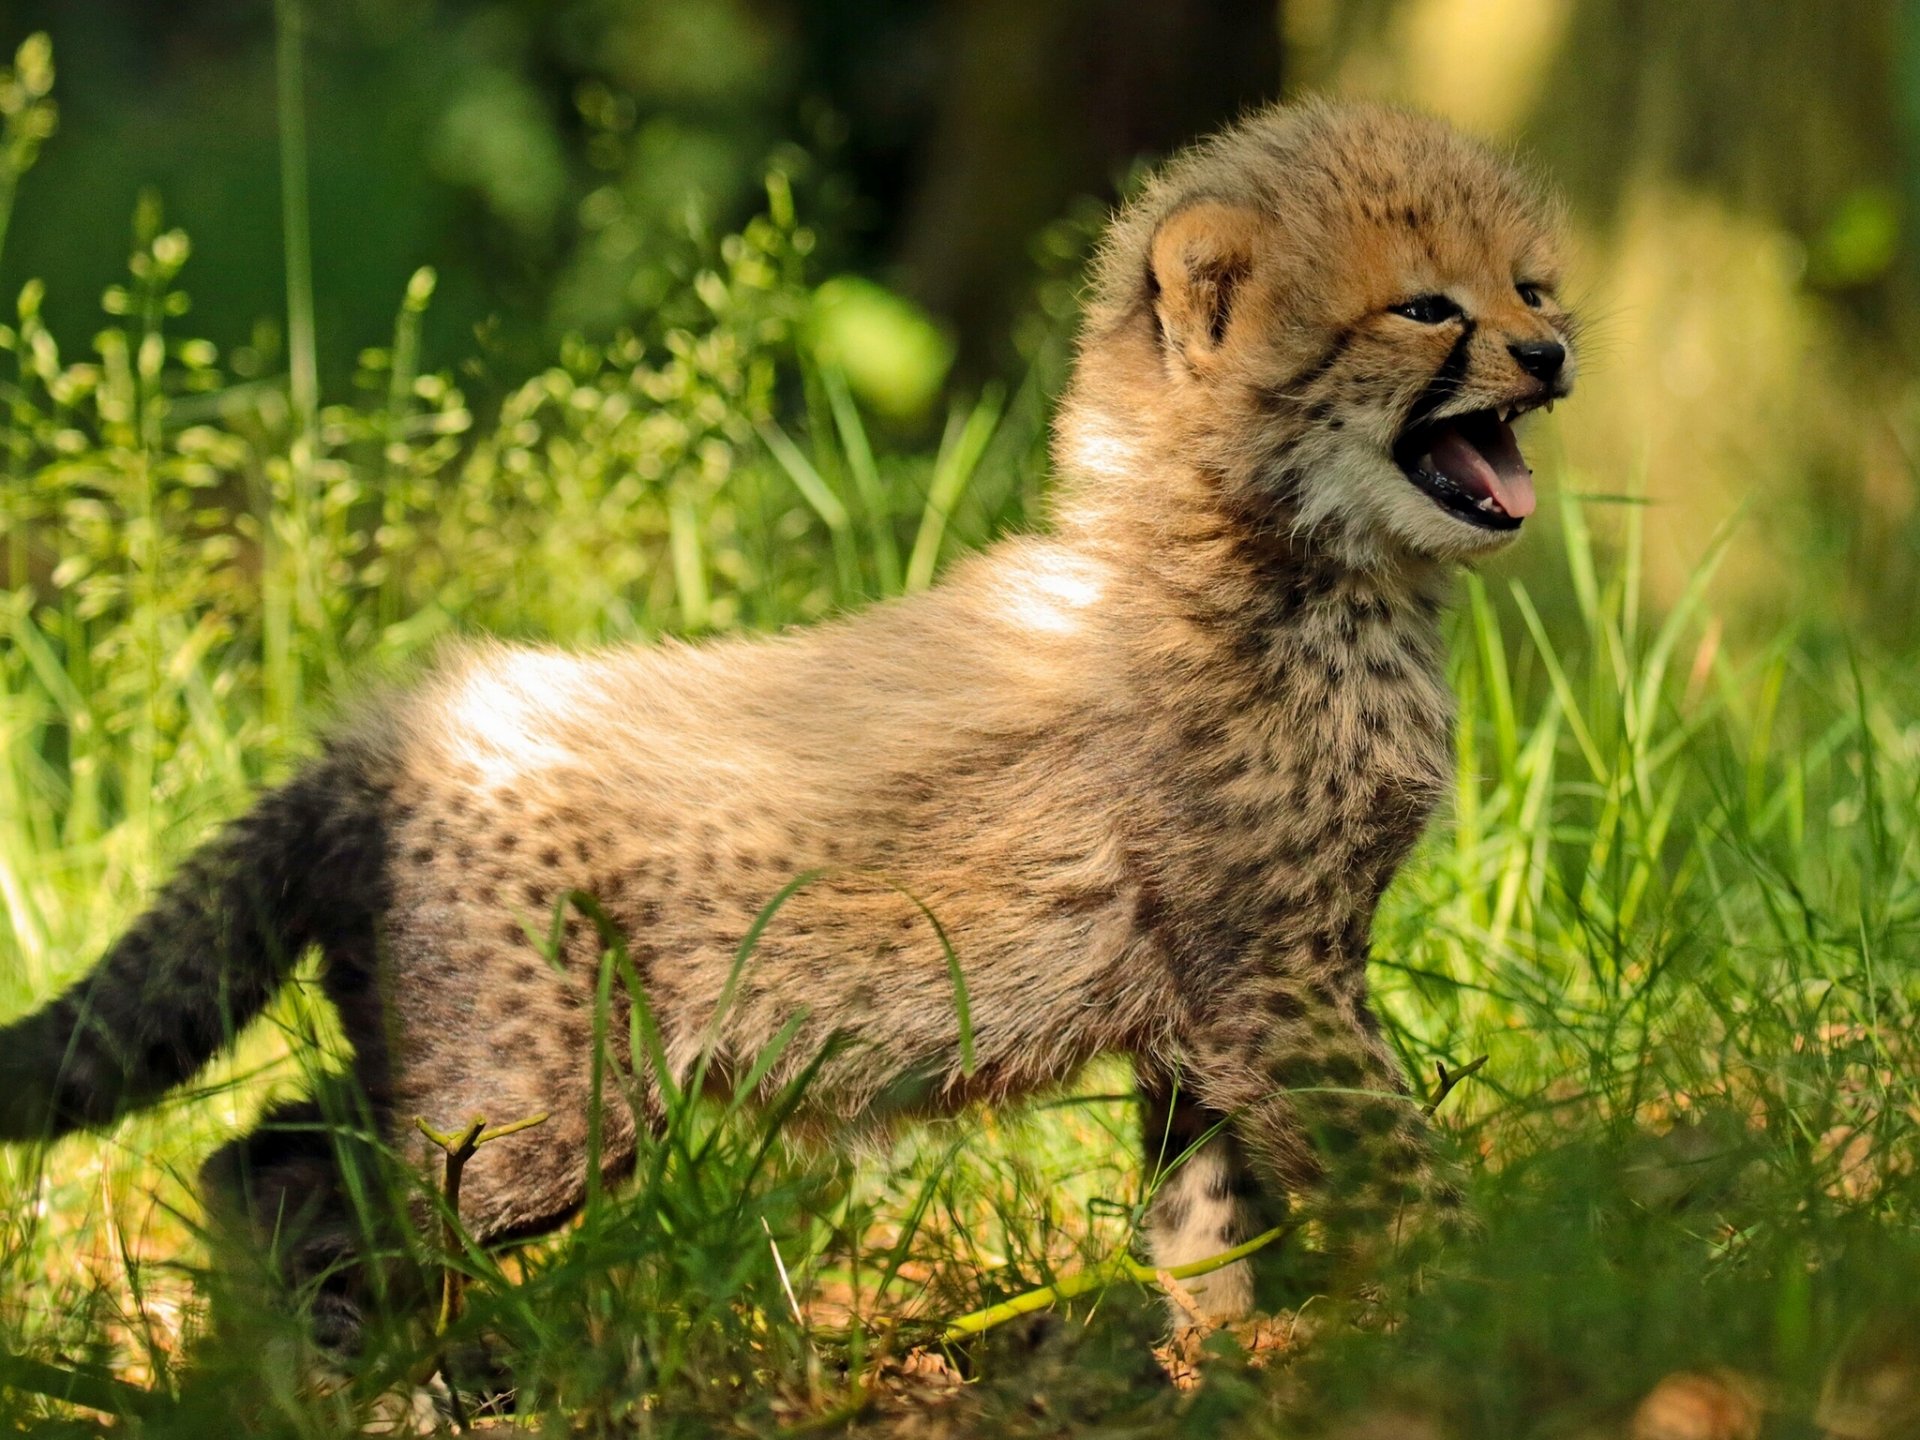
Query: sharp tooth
[
  {"x": 1507, "y": 412},
  {"x": 1549, "y": 407}
]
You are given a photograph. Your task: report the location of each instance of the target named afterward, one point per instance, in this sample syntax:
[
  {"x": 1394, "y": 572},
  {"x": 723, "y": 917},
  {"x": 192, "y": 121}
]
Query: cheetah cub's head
[{"x": 1349, "y": 308}]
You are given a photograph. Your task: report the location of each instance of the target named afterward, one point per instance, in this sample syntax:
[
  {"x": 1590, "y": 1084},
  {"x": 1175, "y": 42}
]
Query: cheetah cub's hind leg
[
  {"x": 301, "y": 1215},
  {"x": 1204, "y": 1200}
]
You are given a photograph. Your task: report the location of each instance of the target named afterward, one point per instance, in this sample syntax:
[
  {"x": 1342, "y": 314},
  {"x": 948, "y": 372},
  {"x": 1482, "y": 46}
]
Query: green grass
[{"x": 1676, "y": 903}]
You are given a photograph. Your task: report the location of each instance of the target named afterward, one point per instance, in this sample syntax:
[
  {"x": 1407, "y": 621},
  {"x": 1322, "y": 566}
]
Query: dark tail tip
[
  {"x": 50, "y": 1085},
  {"x": 306, "y": 864}
]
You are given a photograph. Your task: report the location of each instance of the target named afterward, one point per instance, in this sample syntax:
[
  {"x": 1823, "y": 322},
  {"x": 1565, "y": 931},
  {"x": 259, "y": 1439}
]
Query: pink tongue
[{"x": 1494, "y": 468}]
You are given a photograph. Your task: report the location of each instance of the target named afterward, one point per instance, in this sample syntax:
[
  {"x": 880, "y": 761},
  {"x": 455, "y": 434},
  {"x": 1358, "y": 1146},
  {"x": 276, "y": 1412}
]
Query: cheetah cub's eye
[
  {"x": 1427, "y": 309},
  {"x": 1530, "y": 295}
]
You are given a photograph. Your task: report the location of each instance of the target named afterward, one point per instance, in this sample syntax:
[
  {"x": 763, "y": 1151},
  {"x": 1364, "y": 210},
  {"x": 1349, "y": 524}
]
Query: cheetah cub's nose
[{"x": 1541, "y": 359}]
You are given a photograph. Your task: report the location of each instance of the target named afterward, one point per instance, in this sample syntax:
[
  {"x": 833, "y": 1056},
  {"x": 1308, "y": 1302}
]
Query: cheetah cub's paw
[{"x": 1206, "y": 1303}]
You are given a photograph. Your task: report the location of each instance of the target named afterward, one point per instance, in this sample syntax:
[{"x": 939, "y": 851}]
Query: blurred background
[{"x": 1745, "y": 181}]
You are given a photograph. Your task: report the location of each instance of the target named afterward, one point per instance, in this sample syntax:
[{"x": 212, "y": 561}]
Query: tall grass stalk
[{"x": 291, "y": 524}]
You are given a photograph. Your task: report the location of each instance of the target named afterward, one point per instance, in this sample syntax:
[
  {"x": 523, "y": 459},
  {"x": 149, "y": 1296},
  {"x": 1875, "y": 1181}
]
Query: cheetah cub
[{"x": 1150, "y": 772}]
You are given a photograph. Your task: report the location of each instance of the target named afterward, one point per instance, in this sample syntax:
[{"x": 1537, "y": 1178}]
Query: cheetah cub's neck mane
[{"x": 1289, "y": 425}]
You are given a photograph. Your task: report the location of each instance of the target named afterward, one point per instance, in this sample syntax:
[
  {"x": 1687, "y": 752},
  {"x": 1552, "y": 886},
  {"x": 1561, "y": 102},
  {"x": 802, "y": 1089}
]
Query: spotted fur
[{"x": 1150, "y": 772}]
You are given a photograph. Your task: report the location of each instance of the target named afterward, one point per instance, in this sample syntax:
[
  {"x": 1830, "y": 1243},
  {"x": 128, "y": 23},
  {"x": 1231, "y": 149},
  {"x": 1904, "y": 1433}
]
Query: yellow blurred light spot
[
  {"x": 893, "y": 355},
  {"x": 1481, "y": 63}
]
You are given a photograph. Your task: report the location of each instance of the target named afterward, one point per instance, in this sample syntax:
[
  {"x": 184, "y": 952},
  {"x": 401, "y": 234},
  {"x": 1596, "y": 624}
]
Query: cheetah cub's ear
[{"x": 1201, "y": 258}]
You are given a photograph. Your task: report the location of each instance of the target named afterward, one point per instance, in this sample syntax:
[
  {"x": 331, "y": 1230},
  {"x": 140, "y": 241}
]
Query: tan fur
[{"x": 1151, "y": 773}]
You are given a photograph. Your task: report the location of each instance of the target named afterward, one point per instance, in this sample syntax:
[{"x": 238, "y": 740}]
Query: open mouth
[{"x": 1471, "y": 466}]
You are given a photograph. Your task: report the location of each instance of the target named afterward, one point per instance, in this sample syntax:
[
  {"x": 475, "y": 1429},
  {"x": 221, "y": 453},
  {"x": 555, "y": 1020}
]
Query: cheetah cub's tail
[{"x": 305, "y": 866}]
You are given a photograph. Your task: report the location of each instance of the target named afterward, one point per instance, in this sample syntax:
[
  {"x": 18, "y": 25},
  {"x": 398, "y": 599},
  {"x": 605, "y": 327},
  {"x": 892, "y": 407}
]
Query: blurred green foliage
[
  {"x": 545, "y": 158},
  {"x": 1744, "y": 188}
]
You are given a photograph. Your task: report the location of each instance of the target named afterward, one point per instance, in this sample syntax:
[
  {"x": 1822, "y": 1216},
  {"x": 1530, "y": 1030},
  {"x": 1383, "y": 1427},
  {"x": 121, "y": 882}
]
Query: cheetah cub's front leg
[{"x": 1313, "y": 1108}]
